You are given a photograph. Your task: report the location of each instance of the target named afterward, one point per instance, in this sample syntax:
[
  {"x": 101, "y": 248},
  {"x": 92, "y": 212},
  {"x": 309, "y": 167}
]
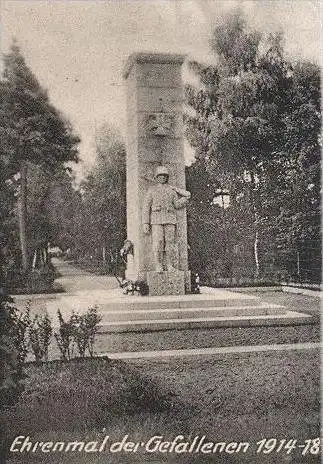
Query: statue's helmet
[{"x": 161, "y": 171}]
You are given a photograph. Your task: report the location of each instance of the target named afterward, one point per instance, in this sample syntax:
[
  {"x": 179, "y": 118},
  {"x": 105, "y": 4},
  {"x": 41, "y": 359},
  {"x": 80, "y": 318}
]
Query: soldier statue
[{"x": 159, "y": 218}]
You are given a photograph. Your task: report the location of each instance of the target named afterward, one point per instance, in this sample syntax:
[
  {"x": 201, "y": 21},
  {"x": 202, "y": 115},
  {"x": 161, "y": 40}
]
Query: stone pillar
[{"x": 154, "y": 137}]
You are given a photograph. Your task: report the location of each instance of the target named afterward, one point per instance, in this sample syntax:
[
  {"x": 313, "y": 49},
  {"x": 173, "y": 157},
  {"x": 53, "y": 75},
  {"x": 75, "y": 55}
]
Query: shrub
[
  {"x": 40, "y": 332},
  {"x": 78, "y": 331},
  {"x": 85, "y": 328},
  {"x": 64, "y": 336},
  {"x": 13, "y": 350},
  {"x": 20, "y": 332},
  {"x": 33, "y": 281},
  {"x": 40, "y": 280}
]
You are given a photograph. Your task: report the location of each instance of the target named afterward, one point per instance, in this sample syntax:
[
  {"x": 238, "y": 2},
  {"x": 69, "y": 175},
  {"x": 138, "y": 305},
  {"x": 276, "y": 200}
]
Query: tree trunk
[
  {"x": 22, "y": 212},
  {"x": 256, "y": 225},
  {"x": 34, "y": 261},
  {"x": 256, "y": 255},
  {"x": 222, "y": 200},
  {"x": 46, "y": 255},
  {"x": 3, "y": 290},
  {"x": 298, "y": 265}
]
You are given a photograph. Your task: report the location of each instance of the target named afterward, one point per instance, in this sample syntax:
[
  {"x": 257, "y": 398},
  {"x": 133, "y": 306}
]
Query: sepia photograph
[{"x": 160, "y": 231}]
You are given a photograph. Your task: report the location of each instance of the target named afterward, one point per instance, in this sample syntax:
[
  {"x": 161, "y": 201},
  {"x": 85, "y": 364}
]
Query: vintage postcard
[{"x": 160, "y": 246}]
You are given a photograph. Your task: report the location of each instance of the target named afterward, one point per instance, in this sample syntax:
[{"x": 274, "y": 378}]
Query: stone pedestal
[
  {"x": 154, "y": 137},
  {"x": 166, "y": 283}
]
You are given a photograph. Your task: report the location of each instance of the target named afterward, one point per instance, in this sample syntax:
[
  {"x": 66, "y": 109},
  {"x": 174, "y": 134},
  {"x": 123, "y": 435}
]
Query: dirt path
[{"x": 74, "y": 279}]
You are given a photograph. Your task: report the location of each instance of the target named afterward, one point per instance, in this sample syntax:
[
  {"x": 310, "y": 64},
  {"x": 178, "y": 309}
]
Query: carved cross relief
[{"x": 160, "y": 123}]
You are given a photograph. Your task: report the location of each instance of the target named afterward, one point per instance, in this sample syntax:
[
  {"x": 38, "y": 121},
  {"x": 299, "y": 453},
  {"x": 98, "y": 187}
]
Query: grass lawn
[
  {"x": 245, "y": 397},
  {"x": 293, "y": 301}
]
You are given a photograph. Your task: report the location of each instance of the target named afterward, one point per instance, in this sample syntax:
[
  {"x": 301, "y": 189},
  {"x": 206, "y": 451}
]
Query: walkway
[{"x": 73, "y": 279}]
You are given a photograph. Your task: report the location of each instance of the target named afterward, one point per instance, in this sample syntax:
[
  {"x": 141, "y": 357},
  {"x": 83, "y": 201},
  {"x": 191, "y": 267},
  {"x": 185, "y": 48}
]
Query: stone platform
[
  {"x": 212, "y": 308},
  {"x": 166, "y": 283}
]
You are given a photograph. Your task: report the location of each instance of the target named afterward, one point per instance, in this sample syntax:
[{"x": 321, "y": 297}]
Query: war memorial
[
  {"x": 157, "y": 226},
  {"x": 155, "y": 140},
  {"x": 156, "y": 223},
  {"x": 156, "y": 218},
  {"x": 151, "y": 306}
]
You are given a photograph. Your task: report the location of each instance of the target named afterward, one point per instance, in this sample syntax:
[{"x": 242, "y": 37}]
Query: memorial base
[{"x": 167, "y": 283}]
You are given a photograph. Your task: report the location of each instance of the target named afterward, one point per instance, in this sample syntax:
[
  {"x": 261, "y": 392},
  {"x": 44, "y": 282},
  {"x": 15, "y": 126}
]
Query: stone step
[
  {"x": 150, "y": 303},
  {"x": 221, "y": 298},
  {"x": 286, "y": 318},
  {"x": 184, "y": 313},
  {"x": 216, "y": 352},
  {"x": 214, "y": 308},
  {"x": 114, "y": 300}
]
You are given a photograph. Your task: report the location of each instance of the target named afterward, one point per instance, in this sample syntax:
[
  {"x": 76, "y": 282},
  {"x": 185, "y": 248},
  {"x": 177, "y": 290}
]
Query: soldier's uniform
[{"x": 159, "y": 211}]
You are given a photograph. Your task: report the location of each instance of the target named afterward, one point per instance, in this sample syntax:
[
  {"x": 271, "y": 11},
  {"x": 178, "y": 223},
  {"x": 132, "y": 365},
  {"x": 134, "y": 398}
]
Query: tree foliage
[
  {"x": 100, "y": 216},
  {"x": 31, "y": 128},
  {"x": 35, "y": 137},
  {"x": 255, "y": 129}
]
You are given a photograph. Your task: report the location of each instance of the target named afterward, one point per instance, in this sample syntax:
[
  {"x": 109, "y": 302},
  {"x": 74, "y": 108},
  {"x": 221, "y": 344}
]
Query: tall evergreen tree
[{"x": 32, "y": 131}]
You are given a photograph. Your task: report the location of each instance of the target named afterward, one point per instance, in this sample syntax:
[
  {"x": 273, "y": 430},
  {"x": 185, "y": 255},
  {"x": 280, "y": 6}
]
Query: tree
[
  {"x": 255, "y": 124},
  {"x": 63, "y": 209},
  {"x": 103, "y": 191},
  {"x": 31, "y": 129},
  {"x": 52, "y": 204},
  {"x": 8, "y": 223},
  {"x": 295, "y": 177}
]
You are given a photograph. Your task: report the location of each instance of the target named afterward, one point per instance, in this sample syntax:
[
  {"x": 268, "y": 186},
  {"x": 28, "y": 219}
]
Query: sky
[{"x": 77, "y": 49}]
